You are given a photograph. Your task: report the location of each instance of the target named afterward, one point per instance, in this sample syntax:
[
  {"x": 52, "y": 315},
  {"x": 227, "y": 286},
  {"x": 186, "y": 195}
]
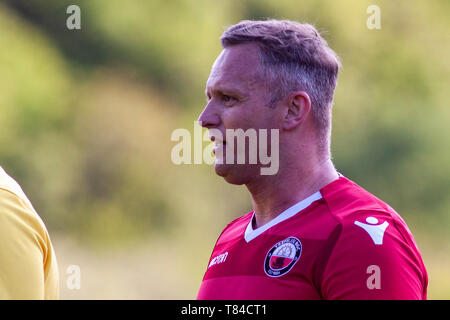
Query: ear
[{"x": 298, "y": 108}]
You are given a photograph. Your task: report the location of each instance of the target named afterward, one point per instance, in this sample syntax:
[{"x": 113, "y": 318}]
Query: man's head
[{"x": 284, "y": 76}]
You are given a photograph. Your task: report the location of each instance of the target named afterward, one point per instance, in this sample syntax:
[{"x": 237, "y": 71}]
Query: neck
[{"x": 271, "y": 195}]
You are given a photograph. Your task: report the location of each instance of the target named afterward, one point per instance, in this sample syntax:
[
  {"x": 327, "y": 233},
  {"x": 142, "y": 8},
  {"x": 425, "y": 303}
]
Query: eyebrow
[{"x": 225, "y": 90}]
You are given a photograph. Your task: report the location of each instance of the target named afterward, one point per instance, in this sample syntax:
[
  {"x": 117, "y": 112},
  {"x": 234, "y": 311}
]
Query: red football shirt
[{"x": 340, "y": 243}]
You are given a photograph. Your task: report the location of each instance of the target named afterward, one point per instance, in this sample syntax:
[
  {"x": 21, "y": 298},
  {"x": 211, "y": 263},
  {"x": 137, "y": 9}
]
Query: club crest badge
[{"x": 282, "y": 257}]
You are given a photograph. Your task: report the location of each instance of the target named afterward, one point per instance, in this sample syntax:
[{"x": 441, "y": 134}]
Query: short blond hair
[{"x": 293, "y": 56}]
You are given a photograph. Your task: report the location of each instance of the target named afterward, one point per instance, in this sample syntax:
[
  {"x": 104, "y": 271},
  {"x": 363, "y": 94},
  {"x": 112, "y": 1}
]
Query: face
[{"x": 236, "y": 99}]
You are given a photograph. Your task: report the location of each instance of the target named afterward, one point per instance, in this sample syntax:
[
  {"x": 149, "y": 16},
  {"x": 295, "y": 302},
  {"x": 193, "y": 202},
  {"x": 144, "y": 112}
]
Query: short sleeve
[
  {"x": 374, "y": 259},
  {"x": 28, "y": 268}
]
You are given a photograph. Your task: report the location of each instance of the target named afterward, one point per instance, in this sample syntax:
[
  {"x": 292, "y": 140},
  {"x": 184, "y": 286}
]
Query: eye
[{"x": 228, "y": 99}]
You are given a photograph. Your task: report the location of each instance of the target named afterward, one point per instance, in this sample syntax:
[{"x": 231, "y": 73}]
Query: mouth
[{"x": 218, "y": 143}]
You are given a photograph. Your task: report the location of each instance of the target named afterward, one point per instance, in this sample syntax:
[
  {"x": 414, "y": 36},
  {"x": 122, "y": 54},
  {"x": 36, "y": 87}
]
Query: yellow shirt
[{"x": 28, "y": 267}]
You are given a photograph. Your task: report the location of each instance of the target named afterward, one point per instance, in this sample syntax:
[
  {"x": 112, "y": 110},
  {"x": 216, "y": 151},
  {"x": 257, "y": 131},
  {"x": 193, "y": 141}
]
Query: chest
[{"x": 267, "y": 267}]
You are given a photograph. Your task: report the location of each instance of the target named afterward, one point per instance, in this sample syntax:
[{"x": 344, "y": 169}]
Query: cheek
[
  {"x": 235, "y": 118},
  {"x": 248, "y": 116}
]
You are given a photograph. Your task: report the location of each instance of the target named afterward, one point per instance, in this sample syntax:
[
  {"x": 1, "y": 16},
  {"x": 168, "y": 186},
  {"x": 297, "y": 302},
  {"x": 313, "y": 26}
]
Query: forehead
[{"x": 236, "y": 65}]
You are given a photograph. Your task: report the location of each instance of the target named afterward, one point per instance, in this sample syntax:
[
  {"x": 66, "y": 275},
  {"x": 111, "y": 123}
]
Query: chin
[{"x": 233, "y": 174}]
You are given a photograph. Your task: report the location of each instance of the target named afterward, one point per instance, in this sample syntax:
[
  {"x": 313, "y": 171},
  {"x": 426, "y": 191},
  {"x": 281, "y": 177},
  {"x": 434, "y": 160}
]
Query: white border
[{"x": 251, "y": 234}]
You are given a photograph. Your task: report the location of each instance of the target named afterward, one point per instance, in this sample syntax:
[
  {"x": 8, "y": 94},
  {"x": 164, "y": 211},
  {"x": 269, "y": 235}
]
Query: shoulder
[
  {"x": 236, "y": 228},
  {"x": 14, "y": 212},
  {"x": 344, "y": 197},
  {"x": 371, "y": 235},
  {"x": 242, "y": 220},
  {"x": 363, "y": 216},
  {"x": 374, "y": 257},
  {"x": 18, "y": 219},
  {"x": 26, "y": 252}
]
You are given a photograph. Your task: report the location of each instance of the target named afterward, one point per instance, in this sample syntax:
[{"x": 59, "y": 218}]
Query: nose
[{"x": 209, "y": 118}]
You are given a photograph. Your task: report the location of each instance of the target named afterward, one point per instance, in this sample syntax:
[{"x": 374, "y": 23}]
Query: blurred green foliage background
[{"x": 86, "y": 118}]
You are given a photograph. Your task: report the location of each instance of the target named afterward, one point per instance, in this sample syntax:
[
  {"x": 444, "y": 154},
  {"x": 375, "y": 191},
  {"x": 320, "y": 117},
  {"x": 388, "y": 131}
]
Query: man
[
  {"x": 313, "y": 233},
  {"x": 28, "y": 267}
]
